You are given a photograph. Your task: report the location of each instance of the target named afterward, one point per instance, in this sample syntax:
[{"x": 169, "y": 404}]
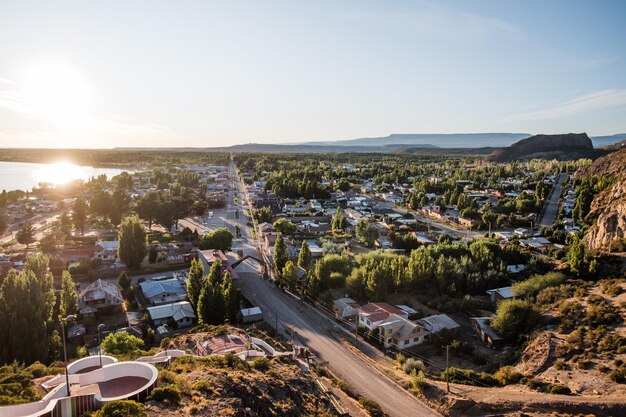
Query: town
[{"x": 429, "y": 274}]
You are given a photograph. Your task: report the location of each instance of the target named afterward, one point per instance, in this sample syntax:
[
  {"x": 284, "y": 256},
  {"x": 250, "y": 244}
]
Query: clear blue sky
[{"x": 204, "y": 73}]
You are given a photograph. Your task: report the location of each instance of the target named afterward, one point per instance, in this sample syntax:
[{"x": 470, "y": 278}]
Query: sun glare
[
  {"x": 57, "y": 91},
  {"x": 59, "y": 173}
]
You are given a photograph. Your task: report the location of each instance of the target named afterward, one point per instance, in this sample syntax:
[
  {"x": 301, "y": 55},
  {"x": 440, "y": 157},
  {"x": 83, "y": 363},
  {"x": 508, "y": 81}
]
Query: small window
[{"x": 406, "y": 342}]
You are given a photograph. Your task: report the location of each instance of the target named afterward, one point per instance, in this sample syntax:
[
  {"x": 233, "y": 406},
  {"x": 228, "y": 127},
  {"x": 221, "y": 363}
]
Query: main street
[
  {"x": 315, "y": 332},
  {"x": 552, "y": 203}
]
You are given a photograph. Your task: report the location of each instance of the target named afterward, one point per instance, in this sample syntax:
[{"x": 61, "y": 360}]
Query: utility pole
[{"x": 447, "y": 367}]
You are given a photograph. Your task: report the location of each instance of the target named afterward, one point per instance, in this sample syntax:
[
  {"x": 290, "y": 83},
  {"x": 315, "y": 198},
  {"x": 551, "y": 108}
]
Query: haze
[{"x": 156, "y": 73}]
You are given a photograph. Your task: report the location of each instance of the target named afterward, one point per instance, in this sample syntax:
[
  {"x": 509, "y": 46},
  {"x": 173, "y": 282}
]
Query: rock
[
  {"x": 566, "y": 146},
  {"x": 609, "y": 207}
]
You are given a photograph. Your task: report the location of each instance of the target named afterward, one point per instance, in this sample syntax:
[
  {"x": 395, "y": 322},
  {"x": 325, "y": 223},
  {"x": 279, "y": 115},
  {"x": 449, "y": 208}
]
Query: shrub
[
  {"x": 261, "y": 364},
  {"x": 372, "y": 407},
  {"x": 37, "y": 369},
  {"x": 202, "y": 386},
  {"x": 418, "y": 381},
  {"x": 507, "y": 375},
  {"x": 411, "y": 365},
  {"x": 123, "y": 408},
  {"x": 166, "y": 394},
  {"x": 400, "y": 359},
  {"x": 515, "y": 317},
  {"x": 121, "y": 343},
  {"x": 559, "y": 389},
  {"x": 468, "y": 377},
  {"x": 344, "y": 387}
]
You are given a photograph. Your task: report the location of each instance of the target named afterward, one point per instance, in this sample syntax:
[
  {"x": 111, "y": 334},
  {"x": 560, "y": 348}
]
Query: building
[
  {"x": 157, "y": 292},
  {"x": 99, "y": 295},
  {"x": 435, "y": 324},
  {"x": 106, "y": 250},
  {"x": 251, "y": 315},
  {"x": 181, "y": 314},
  {"x": 391, "y": 325},
  {"x": 487, "y": 335},
  {"x": 499, "y": 294},
  {"x": 208, "y": 256},
  {"x": 346, "y": 308}
]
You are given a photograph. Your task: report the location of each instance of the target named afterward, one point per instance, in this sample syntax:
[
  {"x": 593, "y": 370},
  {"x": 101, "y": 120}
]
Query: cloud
[
  {"x": 439, "y": 21},
  {"x": 604, "y": 99}
]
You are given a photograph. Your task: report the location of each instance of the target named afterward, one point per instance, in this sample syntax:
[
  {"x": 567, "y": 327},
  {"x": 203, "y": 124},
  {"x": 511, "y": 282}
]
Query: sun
[
  {"x": 56, "y": 91},
  {"x": 59, "y": 173}
]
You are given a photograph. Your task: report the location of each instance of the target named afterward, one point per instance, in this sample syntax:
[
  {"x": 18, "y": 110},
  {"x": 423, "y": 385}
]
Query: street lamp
[
  {"x": 64, "y": 321},
  {"x": 100, "y": 327},
  {"x": 166, "y": 327}
]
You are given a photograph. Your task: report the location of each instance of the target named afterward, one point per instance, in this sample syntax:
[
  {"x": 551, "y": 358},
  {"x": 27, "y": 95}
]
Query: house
[
  {"x": 393, "y": 326},
  {"x": 482, "y": 327},
  {"x": 345, "y": 308},
  {"x": 521, "y": 232},
  {"x": 422, "y": 239},
  {"x": 499, "y": 294},
  {"x": 164, "y": 291},
  {"x": 515, "y": 269},
  {"x": 435, "y": 324},
  {"x": 181, "y": 314},
  {"x": 106, "y": 250},
  {"x": 99, "y": 295},
  {"x": 251, "y": 315},
  {"x": 539, "y": 244},
  {"x": 316, "y": 251},
  {"x": 208, "y": 256},
  {"x": 372, "y": 314}
]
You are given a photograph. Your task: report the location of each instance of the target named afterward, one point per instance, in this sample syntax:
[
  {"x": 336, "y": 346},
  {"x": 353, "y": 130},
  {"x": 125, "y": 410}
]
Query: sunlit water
[{"x": 25, "y": 176}]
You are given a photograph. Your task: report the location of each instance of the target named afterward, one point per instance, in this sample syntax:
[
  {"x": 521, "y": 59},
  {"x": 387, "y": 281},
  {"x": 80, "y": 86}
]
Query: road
[
  {"x": 552, "y": 204},
  {"x": 315, "y": 332}
]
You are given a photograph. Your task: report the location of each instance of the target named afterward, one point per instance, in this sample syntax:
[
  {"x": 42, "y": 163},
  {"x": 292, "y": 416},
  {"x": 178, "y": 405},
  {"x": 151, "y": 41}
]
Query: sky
[{"x": 85, "y": 74}]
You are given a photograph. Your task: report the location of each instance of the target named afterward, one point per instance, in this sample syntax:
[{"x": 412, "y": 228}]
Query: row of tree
[{"x": 213, "y": 296}]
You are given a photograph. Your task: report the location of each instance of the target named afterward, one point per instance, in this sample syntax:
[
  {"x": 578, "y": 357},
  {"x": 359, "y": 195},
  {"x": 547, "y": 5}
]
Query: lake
[{"x": 25, "y": 175}]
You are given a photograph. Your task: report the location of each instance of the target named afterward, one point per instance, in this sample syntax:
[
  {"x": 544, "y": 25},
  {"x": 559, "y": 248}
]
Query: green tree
[
  {"x": 65, "y": 224},
  {"x": 220, "y": 239},
  {"x": 147, "y": 207},
  {"x": 49, "y": 243},
  {"x": 366, "y": 233},
  {"x": 26, "y": 235},
  {"x": 206, "y": 303},
  {"x": 304, "y": 258},
  {"x": 79, "y": 214},
  {"x": 339, "y": 222},
  {"x": 515, "y": 318},
  {"x": 290, "y": 275},
  {"x": 576, "y": 256},
  {"x": 3, "y": 222},
  {"x": 284, "y": 226},
  {"x": 195, "y": 281},
  {"x": 69, "y": 297},
  {"x": 231, "y": 302},
  {"x": 133, "y": 243},
  {"x": 280, "y": 254},
  {"x": 121, "y": 343}
]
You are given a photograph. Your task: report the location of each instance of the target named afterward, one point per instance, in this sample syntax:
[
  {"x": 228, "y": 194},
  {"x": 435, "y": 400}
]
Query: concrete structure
[{"x": 90, "y": 389}]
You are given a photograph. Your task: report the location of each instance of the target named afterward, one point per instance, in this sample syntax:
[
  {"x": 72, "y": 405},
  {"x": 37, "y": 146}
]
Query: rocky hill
[
  {"x": 609, "y": 207},
  {"x": 562, "y": 147}
]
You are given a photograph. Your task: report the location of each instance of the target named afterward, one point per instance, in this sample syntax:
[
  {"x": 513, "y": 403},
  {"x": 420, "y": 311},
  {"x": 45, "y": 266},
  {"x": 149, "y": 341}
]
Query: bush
[
  {"x": 468, "y": 377},
  {"x": 411, "y": 365},
  {"x": 166, "y": 394},
  {"x": 203, "y": 386},
  {"x": 507, "y": 376},
  {"x": 400, "y": 359},
  {"x": 121, "y": 343},
  {"x": 559, "y": 389},
  {"x": 372, "y": 407},
  {"x": 261, "y": 364},
  {"x": 123, "y": 408},
  {"x": 418, "y": 381},
  {"x": 514, "y": 318}
]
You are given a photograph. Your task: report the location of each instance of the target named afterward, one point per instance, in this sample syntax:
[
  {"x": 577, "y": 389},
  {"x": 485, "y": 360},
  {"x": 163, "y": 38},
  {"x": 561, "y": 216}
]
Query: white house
[
  {"x": 106, "y": 250},
  {"x": 163, "y": 291},
  {"x": 435, "y": 324},
  {"x": 180, "y": 313}
]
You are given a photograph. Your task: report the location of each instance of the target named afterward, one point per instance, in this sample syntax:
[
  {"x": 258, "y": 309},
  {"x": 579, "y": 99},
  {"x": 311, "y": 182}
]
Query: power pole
[{"x": 447, "y": 367}]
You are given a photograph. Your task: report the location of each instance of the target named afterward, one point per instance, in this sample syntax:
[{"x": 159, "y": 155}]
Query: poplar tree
[
  {"x": 194, "y": 282},
  {"x": 69, "y": 298},
  {"x": 304, "y": 258},
  {"x": 280, "y": 254}
]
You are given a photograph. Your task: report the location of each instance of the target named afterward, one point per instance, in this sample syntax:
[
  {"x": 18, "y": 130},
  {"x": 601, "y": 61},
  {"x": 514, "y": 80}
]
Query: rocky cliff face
[
  {"x": 570, "y": 145},
  {"x": 609, "y": 207}
]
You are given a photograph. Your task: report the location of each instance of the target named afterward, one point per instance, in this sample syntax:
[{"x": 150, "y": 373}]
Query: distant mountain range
[{"x": 458, "y": 143}]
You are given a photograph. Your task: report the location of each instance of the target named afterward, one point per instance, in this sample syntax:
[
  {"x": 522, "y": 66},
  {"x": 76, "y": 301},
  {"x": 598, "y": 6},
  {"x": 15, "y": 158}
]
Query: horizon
[{"x": 207, "y": 74}]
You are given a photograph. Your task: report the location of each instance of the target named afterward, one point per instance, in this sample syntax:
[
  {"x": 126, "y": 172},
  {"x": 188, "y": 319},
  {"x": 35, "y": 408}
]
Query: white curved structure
[
  {"x": 89, "y": 363},
  {"x": 114, "y": 381}
]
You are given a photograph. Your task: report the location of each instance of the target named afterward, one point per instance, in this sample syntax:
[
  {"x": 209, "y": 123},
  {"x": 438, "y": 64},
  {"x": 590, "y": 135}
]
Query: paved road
[
  {"x": 552, "y": 204},
  {"x": 314, "y": 332}
]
